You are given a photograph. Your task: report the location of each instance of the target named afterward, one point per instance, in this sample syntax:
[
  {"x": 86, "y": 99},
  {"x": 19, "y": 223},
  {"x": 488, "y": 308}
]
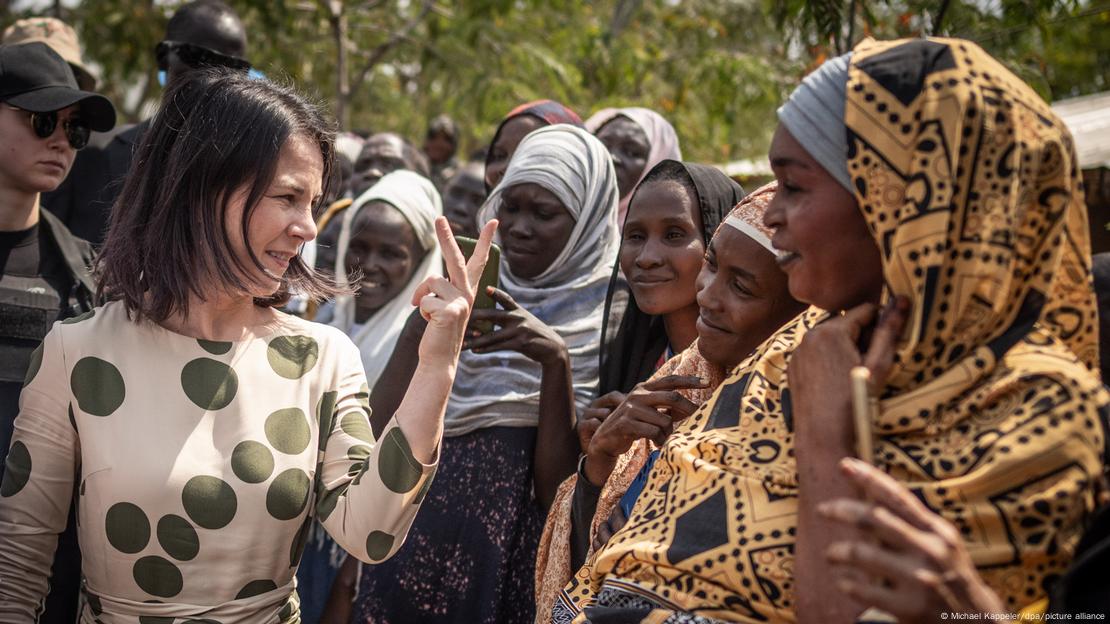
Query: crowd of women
[{"x": 648, "y": 417}]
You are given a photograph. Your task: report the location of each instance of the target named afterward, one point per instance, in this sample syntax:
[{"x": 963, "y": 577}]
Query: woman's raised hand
[
  {"x": 919, "y": 567},
  {"x": 649, "y": 411},
  {"x": 819, "y": 370},
  {"x": 446, "y": 302}
]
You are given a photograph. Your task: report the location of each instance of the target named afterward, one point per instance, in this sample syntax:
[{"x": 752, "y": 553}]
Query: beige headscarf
[{"x": 417, "y": 199}]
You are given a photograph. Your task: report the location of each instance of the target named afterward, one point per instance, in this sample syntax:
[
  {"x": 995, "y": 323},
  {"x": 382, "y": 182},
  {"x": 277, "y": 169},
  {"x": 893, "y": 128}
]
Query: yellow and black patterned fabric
[{"x": 970, "y": 187}]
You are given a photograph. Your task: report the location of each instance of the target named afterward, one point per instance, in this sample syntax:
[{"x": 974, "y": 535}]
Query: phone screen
[{"x": 490, "y": 276}]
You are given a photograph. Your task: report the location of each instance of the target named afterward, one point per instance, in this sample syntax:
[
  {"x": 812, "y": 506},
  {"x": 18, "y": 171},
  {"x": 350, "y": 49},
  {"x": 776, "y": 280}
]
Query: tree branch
[
  {"x": 851, "y": 24},
  {"x": 379, "y": 52},
  {"x": 622, "y": 15},
  {"x": 939, "y": 19}
]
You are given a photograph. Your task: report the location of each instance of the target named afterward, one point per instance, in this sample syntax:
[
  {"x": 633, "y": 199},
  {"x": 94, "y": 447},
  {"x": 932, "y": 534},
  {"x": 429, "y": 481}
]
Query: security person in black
[
  {"x": 203, "y": 33},
  {"x": 44, "y": 277}
]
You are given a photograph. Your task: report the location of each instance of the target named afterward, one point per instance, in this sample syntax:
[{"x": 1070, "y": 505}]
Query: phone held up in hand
[{"x": 490, "y": 276}]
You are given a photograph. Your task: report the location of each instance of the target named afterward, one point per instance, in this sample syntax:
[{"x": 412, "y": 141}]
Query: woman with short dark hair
[{"x": 202, "y": 430}]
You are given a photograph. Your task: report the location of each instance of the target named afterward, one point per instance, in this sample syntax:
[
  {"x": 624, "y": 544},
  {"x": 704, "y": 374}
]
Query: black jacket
[{"x": 78, "y": 256}]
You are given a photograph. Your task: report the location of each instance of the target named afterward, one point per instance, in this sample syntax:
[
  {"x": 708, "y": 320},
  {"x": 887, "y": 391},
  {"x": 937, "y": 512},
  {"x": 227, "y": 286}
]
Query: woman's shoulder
[
  {"x": 1041, "y": 358},
  {"x": 98, "y": 323}
]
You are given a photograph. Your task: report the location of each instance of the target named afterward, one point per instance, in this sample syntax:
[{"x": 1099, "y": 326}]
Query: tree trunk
[
  {"x": 343, "y": 109},
  {"x": 338, "y": 19},
  {"x": 939, "y": 19}
]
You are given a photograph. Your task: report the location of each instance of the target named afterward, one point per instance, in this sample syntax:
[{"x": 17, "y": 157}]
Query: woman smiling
[
  {"x": 923, "y": 176},
  {"x": 202, "y": 430}
]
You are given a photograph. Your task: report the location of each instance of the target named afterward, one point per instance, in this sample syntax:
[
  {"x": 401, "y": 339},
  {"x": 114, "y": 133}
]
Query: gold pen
[{"x": 862, "y": 413}]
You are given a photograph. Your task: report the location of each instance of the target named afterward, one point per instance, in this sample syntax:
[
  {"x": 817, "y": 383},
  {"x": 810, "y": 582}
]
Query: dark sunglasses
[
  {"x": 44, "y": 125},
  {"x": 197, "y": 56}
]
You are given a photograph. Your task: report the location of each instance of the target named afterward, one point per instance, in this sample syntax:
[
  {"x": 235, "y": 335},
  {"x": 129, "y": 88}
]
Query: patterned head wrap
[
  {"x": 969, "y": 184},
  {"x": 747, "y": 216},
  {"x": 549, "y": 112},
  {"x": 662, "y": 140}
]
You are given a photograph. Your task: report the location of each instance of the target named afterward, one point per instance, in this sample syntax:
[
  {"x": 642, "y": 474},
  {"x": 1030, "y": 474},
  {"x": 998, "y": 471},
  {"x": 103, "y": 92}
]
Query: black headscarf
[{"x": 641, "y": 338}]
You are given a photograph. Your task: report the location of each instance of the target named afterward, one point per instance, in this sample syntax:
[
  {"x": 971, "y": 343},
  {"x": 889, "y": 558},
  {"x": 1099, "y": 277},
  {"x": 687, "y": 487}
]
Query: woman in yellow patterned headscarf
[{"x": 973, "y": 214}]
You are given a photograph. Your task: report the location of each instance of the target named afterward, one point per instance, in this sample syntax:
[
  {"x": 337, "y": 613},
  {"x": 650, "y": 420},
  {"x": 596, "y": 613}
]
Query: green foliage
[
  {"x": 716, "y": 68},
  {"x": 1060, "y": 47}
]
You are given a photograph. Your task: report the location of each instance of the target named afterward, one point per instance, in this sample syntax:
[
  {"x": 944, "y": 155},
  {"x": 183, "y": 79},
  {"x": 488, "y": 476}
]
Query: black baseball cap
[{"x": 36, "y": 78}]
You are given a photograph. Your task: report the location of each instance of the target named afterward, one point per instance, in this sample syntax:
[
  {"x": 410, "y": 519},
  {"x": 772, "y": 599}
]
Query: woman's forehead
[
  {"x": 663, "y": 199},
  {"x": 737, "y": 250},
  {"x": 622, "y": 127},
  {"x": 532, "y": 193},
  {"x": 787, "y": 153}
]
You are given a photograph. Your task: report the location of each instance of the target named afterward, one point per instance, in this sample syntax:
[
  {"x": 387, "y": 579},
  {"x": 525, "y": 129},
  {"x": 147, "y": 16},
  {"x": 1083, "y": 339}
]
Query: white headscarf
[
  {"x": 416, "y": 198},
  {"x": 503, "y": 388}
]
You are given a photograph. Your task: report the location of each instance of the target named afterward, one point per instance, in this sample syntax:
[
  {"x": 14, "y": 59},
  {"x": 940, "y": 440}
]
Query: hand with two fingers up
[{"x": 445, "y": 302}]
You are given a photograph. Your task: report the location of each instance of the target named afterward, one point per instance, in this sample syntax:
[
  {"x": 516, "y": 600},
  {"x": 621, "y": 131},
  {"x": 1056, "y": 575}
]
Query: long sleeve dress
[{"x": 197, "y": 468}]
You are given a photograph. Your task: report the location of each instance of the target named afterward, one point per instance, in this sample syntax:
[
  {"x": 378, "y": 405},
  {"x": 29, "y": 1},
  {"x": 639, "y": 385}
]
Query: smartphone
[{"x": 490, "y": 276}]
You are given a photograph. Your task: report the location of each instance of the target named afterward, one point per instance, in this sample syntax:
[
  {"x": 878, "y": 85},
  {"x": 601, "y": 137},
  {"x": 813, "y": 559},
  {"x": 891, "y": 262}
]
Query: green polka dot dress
[{"x": 197, "y": 467}]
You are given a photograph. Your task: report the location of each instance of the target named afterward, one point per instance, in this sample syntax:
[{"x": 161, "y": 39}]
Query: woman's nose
[
  {"x": 649, "y": 256},
  {"x": 520, "y": 228},
  {"x": 773, "y": 216},
  {"x": 304, "y": 227},
  {"x": 706, "y": 296}
]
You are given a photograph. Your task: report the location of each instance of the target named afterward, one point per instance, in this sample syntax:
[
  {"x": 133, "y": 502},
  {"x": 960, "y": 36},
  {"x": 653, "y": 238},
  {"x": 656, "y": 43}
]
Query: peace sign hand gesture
[{"x": 446, "y": 302}]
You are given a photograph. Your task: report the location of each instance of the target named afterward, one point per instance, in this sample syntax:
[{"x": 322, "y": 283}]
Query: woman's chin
[
  {"x": 799, "y": 292},
  {"x": 264, "y": 288},
  {"x": 713, "y": 354}
]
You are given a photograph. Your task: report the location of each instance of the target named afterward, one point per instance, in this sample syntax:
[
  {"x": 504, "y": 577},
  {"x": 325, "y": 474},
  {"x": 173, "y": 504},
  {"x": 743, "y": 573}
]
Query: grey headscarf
[
  {"x": 503, "y": 388},
  {"x": 814, "y": 114}
]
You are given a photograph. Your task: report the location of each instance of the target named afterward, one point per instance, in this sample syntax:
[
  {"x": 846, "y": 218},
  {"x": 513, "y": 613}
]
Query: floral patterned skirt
[{"x": 471, "y": 553}]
